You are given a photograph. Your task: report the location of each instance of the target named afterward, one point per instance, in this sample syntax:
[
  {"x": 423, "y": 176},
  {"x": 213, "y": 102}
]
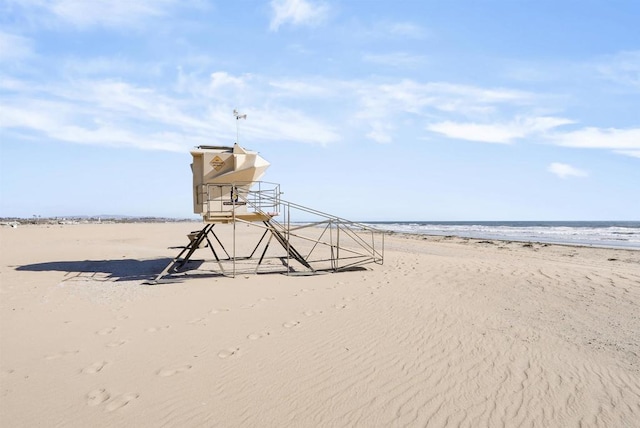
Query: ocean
[{"x": 614, "y": 234}]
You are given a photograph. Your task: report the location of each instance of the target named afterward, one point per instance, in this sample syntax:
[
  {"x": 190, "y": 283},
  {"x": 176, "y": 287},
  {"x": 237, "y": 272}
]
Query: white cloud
[
  {"x": 31, "y": 115},
  {"x": 80, "y": 123},
  {"x": 485, "y": 133},
  {"x": 379, "y": 106},
  {"x": 108, "y": 13},
  {"x": 14, "y": 47},
  {"x": 623, "y": 68},
  {"x": 405, "y": 29},
  {"x": 117, "y": 113},
  {"x": 386, "y": 103},
  {"x": 109, "y": 135},
  {"x": 198, "y": 106},
  {"x": 220, "y": 79},
  {"x": 108, "y": 66},
  {"x": 380, "y": 132},
  {"x": 632, "y": 153},
  {"x": 598, "y": 138},
  {"x": 399, "y": 30},
  {"x": 284, "y": 124},
  {"x": 563, "y": 170},
  {"x": 501, "y": 133},
  {"x": 448, "y": 97},
  {"x": 385, "y": 100},
  {"x": 296, "y": 12}
]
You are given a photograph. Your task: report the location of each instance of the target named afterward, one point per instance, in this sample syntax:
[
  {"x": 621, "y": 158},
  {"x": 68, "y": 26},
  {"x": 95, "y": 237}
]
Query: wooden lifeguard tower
[{"x": 227, "y": 191}]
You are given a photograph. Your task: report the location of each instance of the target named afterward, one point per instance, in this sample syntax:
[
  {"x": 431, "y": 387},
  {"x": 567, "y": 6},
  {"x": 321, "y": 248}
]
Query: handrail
[{"x": 225, "y": 197}]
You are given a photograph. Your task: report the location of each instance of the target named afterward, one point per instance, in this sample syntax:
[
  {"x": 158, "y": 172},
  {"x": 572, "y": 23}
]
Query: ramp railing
[{"x": 327, "y": 242}]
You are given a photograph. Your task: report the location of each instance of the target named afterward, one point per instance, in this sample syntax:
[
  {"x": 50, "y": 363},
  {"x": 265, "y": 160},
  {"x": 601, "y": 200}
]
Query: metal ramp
[{"x": 306, "y": 241}]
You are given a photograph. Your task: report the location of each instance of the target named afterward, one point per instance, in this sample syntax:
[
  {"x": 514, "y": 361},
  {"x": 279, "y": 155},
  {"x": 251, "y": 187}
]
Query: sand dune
[{"x": 448, "y": 332}]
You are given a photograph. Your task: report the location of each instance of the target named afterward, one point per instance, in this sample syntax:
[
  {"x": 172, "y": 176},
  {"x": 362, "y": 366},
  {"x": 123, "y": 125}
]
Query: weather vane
[{"x": 238, "y": 117}]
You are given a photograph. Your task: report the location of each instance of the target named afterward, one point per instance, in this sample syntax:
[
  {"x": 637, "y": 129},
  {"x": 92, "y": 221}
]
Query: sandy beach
[{"x": 447, "y": 332}]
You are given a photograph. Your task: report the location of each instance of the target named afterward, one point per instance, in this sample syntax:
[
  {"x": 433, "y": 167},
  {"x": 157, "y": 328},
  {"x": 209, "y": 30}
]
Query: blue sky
[{"x": 371, "y": 110}]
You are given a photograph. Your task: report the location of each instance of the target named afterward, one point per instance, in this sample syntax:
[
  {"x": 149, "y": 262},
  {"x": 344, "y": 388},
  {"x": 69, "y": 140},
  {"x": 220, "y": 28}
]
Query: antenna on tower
[{"x": 238, "y": 116}]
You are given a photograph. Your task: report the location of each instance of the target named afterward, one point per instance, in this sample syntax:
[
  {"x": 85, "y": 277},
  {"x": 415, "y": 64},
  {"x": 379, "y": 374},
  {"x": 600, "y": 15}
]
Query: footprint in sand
[
  {"x": 311, "y": 313},
  {"x": 200, "y": 321},
  {"x": 291, "y": 324},
  {"x": 155, "y": 329},
  {"x": 106, "y": 331},
  {"x": 120, "y": 401},
  {"x": 264, "y": 299},
  {"x": 60, "y": 355},
  {"x": 170, "y": 371},
  {"x": 218, "y": 311},
  {"x": 7, "y": 372},
  {"x": 226, "y": 353},
  {"x": 341, "y": 306},
  {"x": 122, "y": 317},
  {"x": 116, "y": 343},
  {"x": 256, "y": 336},
  {"x": 95, "y": 367},
  {"x": 97, "y": 396}
]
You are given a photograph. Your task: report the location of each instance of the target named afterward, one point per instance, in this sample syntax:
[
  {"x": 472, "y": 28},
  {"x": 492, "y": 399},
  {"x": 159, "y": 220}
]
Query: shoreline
[
  {"x": 199, "y": 224},
  {"x": 609, "y": 234},
  {"x": 509, "y": 241}
]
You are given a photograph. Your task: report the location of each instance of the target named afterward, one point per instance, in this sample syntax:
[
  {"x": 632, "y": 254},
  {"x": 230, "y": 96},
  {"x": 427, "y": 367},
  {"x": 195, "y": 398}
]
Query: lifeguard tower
[{"x": 227, "y": 190}]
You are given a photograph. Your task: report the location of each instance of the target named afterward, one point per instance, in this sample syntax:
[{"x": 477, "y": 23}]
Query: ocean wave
[{"x": 625, "y": 235}]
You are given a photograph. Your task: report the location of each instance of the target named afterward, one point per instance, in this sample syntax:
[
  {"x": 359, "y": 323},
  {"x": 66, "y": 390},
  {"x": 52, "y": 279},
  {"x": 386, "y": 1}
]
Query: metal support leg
[
  {"x": 193, "y": 245},
  {"x": 222, "y": 246},
  {"x": 213, "y": 250},
  {"x": 258, "y": 244},
  {"x": 264, "y": 252}
]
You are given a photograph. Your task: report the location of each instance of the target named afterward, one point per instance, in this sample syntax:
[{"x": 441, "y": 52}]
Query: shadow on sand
[
  {"x": 147, "y": 270},
  {"x": 114, "y": 270}
]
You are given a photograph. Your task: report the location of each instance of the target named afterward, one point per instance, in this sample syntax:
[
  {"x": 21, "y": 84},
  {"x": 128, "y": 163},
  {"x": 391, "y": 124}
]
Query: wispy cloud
[
  {"x": 632, "y": 153},
  {"x": 622, "y": 68},
  {"x": 297, "y": 12},
  {"x": 84, "y": 14},
  {"x": 544, "y": 129},
  {"x": 196, "y": 105},
  {"x": 379, "y": 106},
  {"x": 108, "y": 66},
  {"x": 502, "y": 133},
  {"x": 564, "y": 170},
  {"x": 405, "y": 29},
  {"x": 60, "y": 122},
  {"x": 14, "y": 47},
  {"x": 386, "y": 30},
  {"x": 221, "y": 79},
  {"x": 412, "y": 96},
  {"x": 117, "y": 113},
  {"x": 386, "y": 103},
  {"x": 285, "y": 124},
  {"x": 599, "y": 138},
  {"x": 381, "y": 132}
]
